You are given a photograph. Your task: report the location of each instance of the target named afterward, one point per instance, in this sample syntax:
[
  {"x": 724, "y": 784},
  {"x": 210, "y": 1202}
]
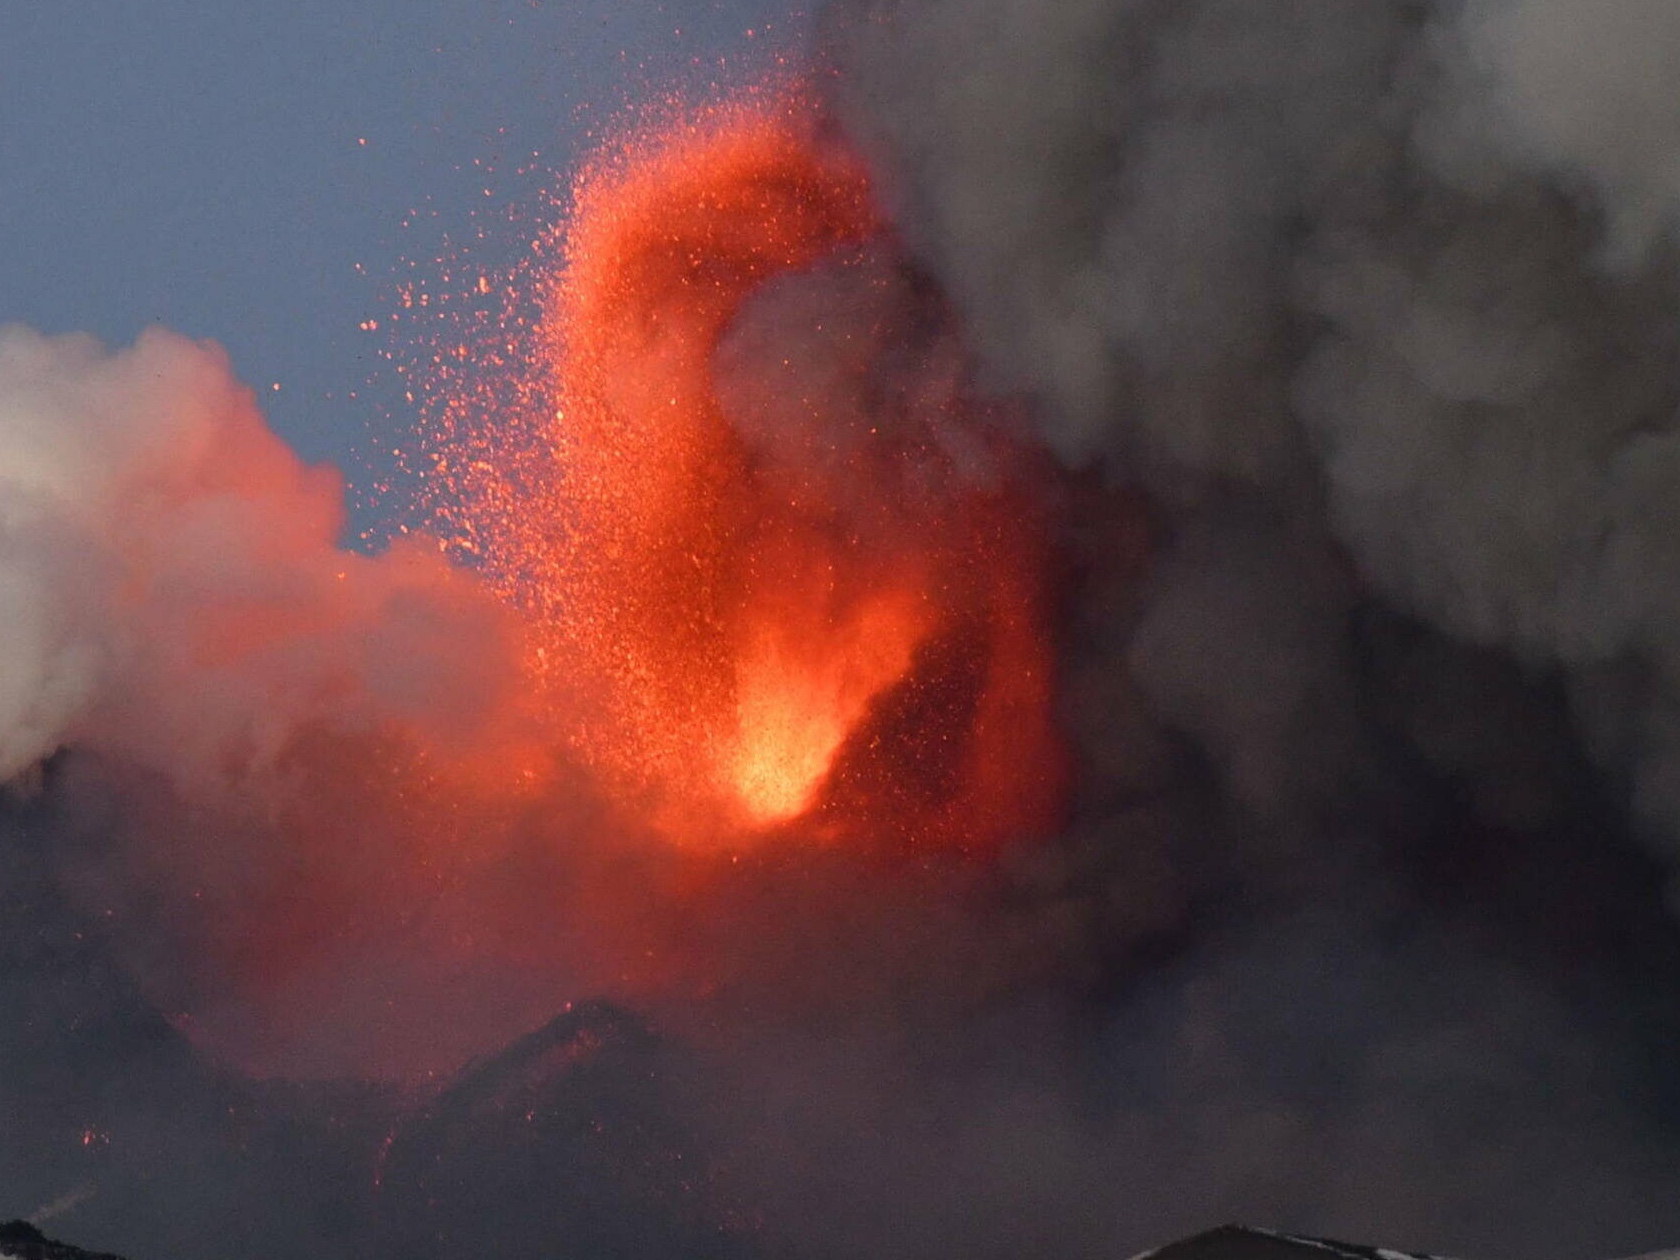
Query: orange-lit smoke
[
  {"x": 768, "y": 595},
  {"x": 768, "y": 570}
]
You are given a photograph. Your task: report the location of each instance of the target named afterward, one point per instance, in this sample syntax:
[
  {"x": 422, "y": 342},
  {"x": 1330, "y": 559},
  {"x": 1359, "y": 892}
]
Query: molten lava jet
[{"x": 787, "y": 570}]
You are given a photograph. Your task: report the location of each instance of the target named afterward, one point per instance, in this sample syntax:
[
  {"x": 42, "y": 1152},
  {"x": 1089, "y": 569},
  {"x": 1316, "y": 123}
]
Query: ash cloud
[
  {"x": 1399, "y": 272},
  {"x": 1576, "y": 91},
  {"x": 1375, "y": 305}
]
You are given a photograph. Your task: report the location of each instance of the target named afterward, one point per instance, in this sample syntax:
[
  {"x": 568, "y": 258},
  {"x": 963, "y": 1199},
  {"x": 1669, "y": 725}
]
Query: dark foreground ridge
[
  {"x": 19, "y": 1240},
  {"x": 1242, "y": 1242}
]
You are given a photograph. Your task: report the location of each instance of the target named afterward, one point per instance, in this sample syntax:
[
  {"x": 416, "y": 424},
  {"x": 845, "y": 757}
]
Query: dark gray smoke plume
[
  {"x": 1398, "y": 272},
  {"x": 1376, "y": 303},
  {"x": 1354, "y": 329}
]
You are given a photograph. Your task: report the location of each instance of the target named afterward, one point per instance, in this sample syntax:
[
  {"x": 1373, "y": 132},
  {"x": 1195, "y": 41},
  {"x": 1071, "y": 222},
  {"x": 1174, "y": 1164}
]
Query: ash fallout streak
[{"x": 1055, "y": 633}]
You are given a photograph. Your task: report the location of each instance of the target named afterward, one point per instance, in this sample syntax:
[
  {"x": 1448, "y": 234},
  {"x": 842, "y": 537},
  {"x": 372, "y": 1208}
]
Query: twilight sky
[{"x": 202, "y": 165}]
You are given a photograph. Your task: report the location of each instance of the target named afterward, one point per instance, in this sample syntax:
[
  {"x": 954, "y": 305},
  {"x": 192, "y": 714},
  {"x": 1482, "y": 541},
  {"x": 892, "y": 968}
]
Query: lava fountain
[{"x": 788, "y": 573}]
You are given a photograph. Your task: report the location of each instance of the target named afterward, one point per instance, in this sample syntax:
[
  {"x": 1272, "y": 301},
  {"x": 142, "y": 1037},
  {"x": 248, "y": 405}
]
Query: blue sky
[{"x": 203, "y": 165}]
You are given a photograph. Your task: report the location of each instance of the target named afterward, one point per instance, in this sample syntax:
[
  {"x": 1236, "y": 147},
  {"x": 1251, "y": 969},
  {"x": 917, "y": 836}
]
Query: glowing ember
[
  {"x": 792, "y": 599},
  {"x": 801, "y": 689}
]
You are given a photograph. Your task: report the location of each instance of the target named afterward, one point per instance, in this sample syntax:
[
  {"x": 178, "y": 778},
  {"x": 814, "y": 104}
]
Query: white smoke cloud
[{"x": 171, "y": 589}]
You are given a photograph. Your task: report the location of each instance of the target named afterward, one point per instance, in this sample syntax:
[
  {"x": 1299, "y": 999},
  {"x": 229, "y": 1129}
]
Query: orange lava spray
[{"x": 831, "y": 622}]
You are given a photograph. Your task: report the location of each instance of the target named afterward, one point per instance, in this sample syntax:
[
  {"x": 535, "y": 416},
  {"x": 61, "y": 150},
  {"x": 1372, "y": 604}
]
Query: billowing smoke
[
  {"x": 176, "y": 595},
  {"x": 1396, "y": 273},
  {"x": 1317, "y": 359},
  {"x": 278, "y": 750}
]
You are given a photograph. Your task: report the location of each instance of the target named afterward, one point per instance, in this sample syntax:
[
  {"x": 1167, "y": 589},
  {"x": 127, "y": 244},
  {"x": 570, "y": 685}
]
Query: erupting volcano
[{"x": 785, "y": 567}]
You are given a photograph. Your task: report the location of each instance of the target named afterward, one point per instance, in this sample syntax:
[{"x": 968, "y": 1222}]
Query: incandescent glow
[
  {"x": 771, "y": 586},
  {"x": 802, "y": 688}
]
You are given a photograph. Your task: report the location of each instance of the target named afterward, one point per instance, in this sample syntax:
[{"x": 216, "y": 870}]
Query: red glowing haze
[{"x": 844, "y": 634}]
